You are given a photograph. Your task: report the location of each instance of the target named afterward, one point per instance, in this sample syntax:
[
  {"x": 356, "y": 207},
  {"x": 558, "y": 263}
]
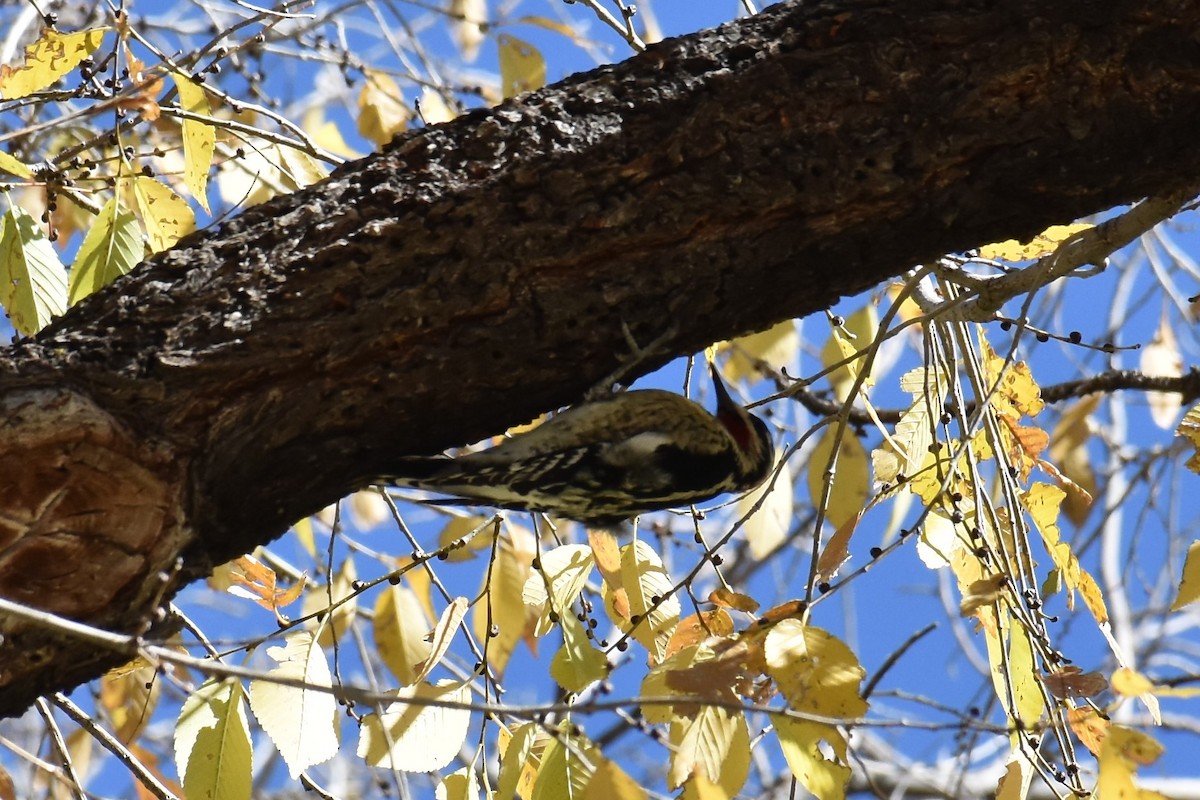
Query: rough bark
[{"x": 479, "y": 272}]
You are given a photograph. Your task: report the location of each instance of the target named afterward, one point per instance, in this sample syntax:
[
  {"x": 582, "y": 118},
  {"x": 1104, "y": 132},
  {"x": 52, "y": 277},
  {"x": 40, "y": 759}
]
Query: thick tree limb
[{"x": 482, "y": 271}]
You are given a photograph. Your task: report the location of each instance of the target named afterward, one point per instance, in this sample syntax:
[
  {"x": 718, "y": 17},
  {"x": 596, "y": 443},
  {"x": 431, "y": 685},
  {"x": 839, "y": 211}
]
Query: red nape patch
[{"x": 737, "y": 428}]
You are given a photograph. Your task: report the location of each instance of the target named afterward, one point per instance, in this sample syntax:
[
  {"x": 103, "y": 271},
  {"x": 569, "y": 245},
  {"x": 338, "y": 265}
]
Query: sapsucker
[{"x": 608, "y": 460}]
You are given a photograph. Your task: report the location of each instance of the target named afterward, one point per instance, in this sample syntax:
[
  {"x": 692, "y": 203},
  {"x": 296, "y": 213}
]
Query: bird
[{"x": 608, "y": 460}]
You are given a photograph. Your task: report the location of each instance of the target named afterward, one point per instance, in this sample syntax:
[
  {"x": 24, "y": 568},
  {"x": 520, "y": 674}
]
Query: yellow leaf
[
  {"x": 982, "y": 592},
  {"x": 727, "y": 598},
  {"x": 564, "y": 570},
  {"x": 461, "y": 784},
  {"x": 1189, "y": 585},
  {"x": 129, "y": 696},
  {"x": 776, "y": 347},
  {"x": 443, "y": 634},
  {"x": 199, "y": 137},
  {"x": 769, "y": 526},
  {"x": 400, "y": 628},
  {"x": 1022, "y": 674},
  {"x": 815, "y": 670},
  {"x": 301, "y": 722},
  {"x": 462, "y": 528},
  {"x": 851, "y": 475},
  {"x": 1093, "y": 598},
  {"x": 15, "y": 166},
  {"x": 610, "y": 782},
  {"x": 1161, "y": 358},
  {"x": 1089, "y": 726},
  {"x": 518, "y": 761},
  {"x": 382, "y": 112},
  {"x": 166, "y": 215},
  {"x": 111, "y": 248},
  {"x": 1121, "y": 753},
  {"x": 417, "y": 738},
  {"x": 1068, "y": 450},
  {"x": 801, "y": 741},
  {"x": 716, "y": 743},
  {"x": 1045, "y": 242},
  {"x": 49, "y": 58},
  {"x": 468, "y": 25},
  {"x": 1189, "y": 428},
  {"x": 645, "y": 579},
  {"x": 33, "y": 282},
  {"x": 502, "y": 609},
  {"x": 212, "y": 742},
  {"x": 566, "y": 768},
  {"x": 343, "y": 604},
  {"x": 1131, "y": 683},
  {"x": 434, "y": 108},
  {"x": 850, "y": 340},
  {"x": 1014, "y": 783},
  {"x": 522, "y": 68},
  {"x": 577, "y": 664}
]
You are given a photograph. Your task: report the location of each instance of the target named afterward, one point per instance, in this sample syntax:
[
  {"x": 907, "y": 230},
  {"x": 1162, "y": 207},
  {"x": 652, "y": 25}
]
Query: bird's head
[{"x": 751, "y": 437}]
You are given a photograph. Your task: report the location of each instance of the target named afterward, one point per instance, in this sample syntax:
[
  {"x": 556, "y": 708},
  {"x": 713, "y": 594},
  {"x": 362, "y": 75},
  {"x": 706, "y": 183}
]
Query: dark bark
[{"x": 483, "y": 271}]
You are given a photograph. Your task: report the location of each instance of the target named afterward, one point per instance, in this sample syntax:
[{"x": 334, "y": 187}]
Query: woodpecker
[{"x": 608, "y": 460}]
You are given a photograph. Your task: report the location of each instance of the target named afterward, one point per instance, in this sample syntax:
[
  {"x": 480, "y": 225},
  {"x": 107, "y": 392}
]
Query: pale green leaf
[
  {"x": 565, "y": 569},
  {"x": 417, "y": 738},
  {"x": 212, "y": 743},
  {"x": 112, "y": 247},
  {"x": 33, "y": 282},
  {"x": 301, "y": 722},
  {"x": 199, "y": 137}
]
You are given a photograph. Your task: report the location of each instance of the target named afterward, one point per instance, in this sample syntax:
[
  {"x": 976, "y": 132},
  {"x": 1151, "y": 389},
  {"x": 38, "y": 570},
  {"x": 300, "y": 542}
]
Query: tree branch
[{"x": 482, "y": 271}]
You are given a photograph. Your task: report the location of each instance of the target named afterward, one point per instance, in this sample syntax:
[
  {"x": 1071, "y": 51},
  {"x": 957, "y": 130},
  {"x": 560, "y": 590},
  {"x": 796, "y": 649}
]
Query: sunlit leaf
[
  {"x": 801, "y": 742},
  {"x": 33, "y": 282},
  {"x": 111, "y": 248},
  {"x": 522, "y": 68},
  {"x": 15, "y": 166},
  {"x": 577, "y": 664},
  {"x": 564, "y": 569},
  {"x": 501, "y": 617},
  {"x": 468, "y": 25},
  {"x": 400, "y": 627},
  {"x": 850, "y": 340},
  {"x": 461, "y": 784},
  {"x": 339, "y": 597},
  {"x": 199, "y": 137},
  {"x": 1044, "y": 243},
  {"x": 301, "y": 722},
  {"x": 443, "y": 634},
  {"x": 212, "y": 742},
  {"x": 382, "y": 112},
  {"x": 651, "y": 603},
  {"x": 417, "y": 738},
  {"x": 815, "y": 671},
  {"x": 767, "y": 528},
  {"x": 47, "y": 59},
  {"x": 610, "y": 782},
  {"x": 715, "y": 741},
  {"x": 166, "y": 215},
  {"x": 1161, "y": 358},
  {"x": 775, "y": 347},
  {"x": 1189, "y": 585},
  {"x": 851, "y": 482}
]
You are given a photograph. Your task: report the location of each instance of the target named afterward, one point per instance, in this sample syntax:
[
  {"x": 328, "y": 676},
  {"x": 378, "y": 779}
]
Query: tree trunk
[{"x": 482, "y": 271}]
